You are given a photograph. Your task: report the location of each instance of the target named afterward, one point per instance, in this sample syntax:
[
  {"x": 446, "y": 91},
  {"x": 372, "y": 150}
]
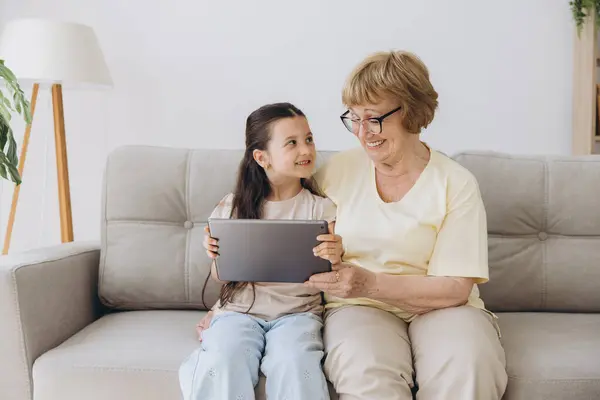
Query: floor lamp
[{"x": 46, "y": 53}]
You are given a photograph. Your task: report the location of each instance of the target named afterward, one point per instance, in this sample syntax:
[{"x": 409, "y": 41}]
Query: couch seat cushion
[
  {"x": 122, "y": 356},
  {"x": 551, "y": 355}
]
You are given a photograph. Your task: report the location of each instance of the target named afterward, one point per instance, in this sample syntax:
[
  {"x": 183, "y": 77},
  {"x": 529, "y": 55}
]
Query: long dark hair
[{"x": 253, "y": 187}]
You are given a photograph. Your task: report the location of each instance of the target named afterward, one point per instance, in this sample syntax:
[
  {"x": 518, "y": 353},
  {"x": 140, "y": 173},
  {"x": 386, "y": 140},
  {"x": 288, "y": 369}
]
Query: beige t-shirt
[
  {"x": 437, "y": 229},
  {"x": 274, "y": 300}
]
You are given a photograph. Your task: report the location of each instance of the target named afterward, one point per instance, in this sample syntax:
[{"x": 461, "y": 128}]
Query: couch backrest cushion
[
  {"x": 155, "y": 205},
  {"x": 544, "y": 231},
  {"x": 543, "y": 222}
]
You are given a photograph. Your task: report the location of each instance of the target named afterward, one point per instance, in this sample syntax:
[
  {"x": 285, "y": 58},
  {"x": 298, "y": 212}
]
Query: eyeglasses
[{"x": 373, "y": 124}]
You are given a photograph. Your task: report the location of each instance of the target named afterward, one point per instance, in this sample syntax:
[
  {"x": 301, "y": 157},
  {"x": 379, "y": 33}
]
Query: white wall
[{"x": 188, "y": 72}]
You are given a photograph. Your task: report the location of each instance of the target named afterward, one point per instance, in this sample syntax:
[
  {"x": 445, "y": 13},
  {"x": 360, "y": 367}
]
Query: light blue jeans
[{"x": 287, "y": 350}]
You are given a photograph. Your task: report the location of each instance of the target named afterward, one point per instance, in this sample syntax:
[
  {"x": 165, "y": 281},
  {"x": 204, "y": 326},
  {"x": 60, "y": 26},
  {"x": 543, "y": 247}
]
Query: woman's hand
[
  {"x": 210, "y": 244},
  {"x": 331, "y": 249},
  {"x": 345, "y": 281}
]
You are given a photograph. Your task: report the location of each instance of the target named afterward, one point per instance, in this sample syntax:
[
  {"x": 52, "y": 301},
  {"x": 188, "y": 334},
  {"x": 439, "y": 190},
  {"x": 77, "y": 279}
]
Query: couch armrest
[{"x": 46, "y": 296}]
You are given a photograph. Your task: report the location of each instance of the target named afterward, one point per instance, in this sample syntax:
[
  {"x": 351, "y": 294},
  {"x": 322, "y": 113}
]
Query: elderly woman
[{"x": 403, "y": 310}]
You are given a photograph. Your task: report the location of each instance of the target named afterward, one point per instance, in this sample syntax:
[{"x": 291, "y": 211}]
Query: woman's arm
[
  {"x": 414, "y": 294},
  {"x": 421, "y": 294}
]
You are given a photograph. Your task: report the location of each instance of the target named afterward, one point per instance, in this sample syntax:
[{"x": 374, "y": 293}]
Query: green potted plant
[
  {"x": 12, "y": 99},
  {"x": 583, "y": 8}
]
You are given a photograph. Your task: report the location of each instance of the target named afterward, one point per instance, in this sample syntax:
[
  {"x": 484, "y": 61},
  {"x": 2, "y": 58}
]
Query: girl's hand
[
  {"x": 210, "y": 244},
  {"x": 203, "y": 324},
  {"x": 345, "y": 281},
  {"x": 331, "y": 249}
]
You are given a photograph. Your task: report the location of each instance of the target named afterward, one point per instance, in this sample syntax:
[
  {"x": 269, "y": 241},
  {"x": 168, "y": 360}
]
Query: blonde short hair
[{"x": 398, "y": 75}]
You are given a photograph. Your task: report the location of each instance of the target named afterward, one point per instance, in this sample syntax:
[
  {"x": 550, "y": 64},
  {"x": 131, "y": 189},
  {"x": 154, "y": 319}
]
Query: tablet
[{"x": 267, "y": 250}]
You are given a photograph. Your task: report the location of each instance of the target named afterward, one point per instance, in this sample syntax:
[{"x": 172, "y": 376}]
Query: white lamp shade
[{"x": 43, "y": 51}]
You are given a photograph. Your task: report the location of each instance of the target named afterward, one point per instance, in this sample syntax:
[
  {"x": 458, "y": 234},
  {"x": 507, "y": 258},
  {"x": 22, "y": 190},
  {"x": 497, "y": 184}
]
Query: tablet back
[{"x": 268, "y": 250}]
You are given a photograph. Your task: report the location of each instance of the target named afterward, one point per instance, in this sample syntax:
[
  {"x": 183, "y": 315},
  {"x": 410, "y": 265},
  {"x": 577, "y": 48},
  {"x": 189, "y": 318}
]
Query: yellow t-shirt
[{"x": 438, "y": 228}]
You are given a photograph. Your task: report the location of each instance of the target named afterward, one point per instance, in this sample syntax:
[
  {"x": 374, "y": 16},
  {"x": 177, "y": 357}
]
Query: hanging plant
[
  {"x": 583, "y": 8},
  {"x": 12, "y": 100}
]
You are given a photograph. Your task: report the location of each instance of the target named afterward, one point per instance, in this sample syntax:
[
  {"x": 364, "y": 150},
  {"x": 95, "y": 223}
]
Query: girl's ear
[{"x": 262, "y": 158}]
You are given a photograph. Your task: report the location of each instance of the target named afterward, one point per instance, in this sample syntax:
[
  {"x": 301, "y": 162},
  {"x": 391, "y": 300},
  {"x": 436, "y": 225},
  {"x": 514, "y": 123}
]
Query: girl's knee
[
  {"x": 211, "y": 363},
  {"x": 234, "y": 355},
  {"x": 295, "y": 360}
]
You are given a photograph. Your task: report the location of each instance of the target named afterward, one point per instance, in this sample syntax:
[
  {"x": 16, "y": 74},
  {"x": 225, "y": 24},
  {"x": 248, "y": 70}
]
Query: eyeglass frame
[{"x": 378, "y": 119}]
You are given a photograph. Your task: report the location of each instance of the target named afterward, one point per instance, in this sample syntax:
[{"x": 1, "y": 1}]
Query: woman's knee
[
  {"x": 366, "y": 332},
  {"x": 459, "y": 345},
  {"x": 368, "y": 353},
  {"x": 464, "y": 333}
]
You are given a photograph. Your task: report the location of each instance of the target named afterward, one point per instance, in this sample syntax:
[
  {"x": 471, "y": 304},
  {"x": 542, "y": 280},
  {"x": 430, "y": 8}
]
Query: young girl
[{"x": 272, "y": 327}]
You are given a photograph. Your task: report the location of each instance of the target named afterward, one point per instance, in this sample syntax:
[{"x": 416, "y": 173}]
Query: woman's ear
[{"x": 262, "y": 158}]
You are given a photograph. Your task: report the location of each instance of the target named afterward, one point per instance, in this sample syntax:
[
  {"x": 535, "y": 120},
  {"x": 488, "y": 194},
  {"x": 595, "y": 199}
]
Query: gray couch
[{"x": 114, "y": 320}]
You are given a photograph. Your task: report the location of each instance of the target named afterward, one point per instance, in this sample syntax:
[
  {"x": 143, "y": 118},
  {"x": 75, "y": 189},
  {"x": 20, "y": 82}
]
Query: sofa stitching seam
[
  {"x": 522, "y": 158},
  {"x": 186, "y": 262},
  {"x": 145, "y": 222},
  {"x": 495, "y": 156},
  {"x": 546, "y": 207},
  {"x": 492, "y": 234},
  {"x": 105, "y": 227},
  {"x": 575, "y": 161},
  {"x": 25, "y": 349},
  {"x": 562, "y": 381},
  {"x": 536, "y": 236},
  {"x": 121, "y": 369},
  {"x": 133, "y": 305}
]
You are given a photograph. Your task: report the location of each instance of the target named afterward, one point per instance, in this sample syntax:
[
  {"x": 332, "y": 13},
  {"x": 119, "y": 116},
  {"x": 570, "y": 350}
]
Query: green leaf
[
  {"x": 581, "y": 9},
  {"x": 8, "y": 74},
  {"x": 3, "y": 135},
  {"x": 5, "y": 113},
  {"x": 12, "y": 151},
  {"x": 22, "y": 105},
  {"x": 14, "y": 174},
  {"x": 5, "y": 101},
  {"x": 27, "y": 115},
  {"x": 9, "y": 160},
  {"x": 12, "y": 170}
]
